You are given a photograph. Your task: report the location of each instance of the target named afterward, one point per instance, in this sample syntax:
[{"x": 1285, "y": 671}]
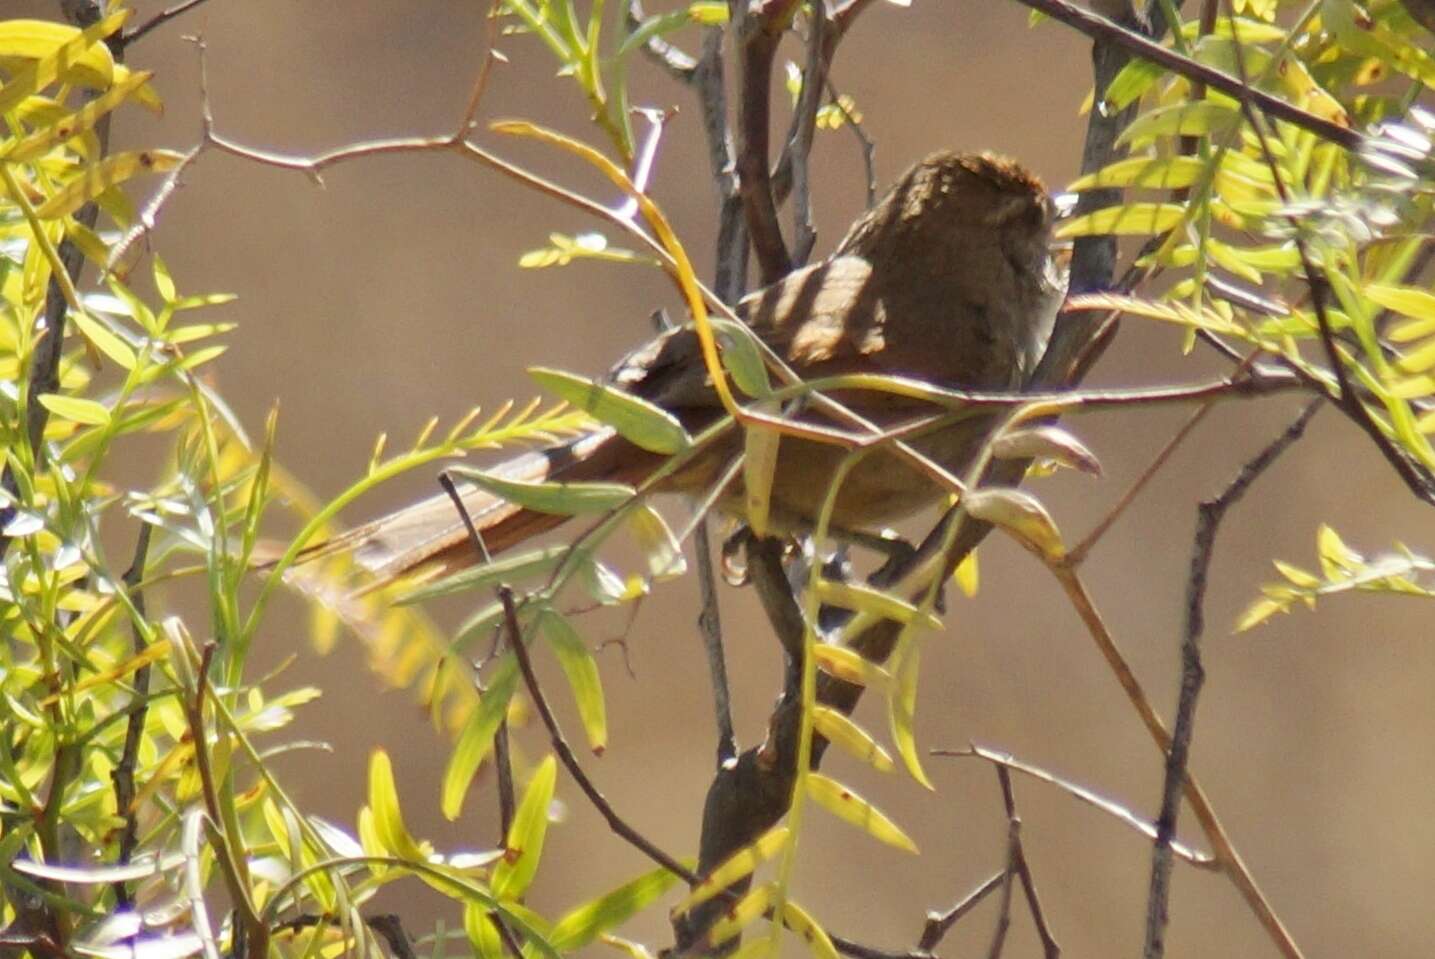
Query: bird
[{"x": 949, "y": 279}]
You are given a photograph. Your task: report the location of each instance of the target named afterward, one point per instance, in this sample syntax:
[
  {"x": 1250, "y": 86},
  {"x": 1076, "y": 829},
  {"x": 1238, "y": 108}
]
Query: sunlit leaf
[
  {"x": 800, "y": 922},
  {"x": 475, "y": 742},
  {"x": 582, "y": 671},
  {"x": 582, "y": 925},
  {"x": 1046, "y": 442},
  {"x": 850, "y": 807},
  {"x": 1020, "y": 514},
  {"x": 512, "y": 876},
  {"x": 636, "y": 420},
  {"x": 737, "y": 867},
  {"x": 76, "y": 409},
  {"x": 849, "y": 666},
  {"x": 564, "y": 499},
  {"x": 99, "y": 177},
  {"x": 753, "y": 904},
  {"x": 843, "y": 732},
  {"x": 384, "y": 804}
]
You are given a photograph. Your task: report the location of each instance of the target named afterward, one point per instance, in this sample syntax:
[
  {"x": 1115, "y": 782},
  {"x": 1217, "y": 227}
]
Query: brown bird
[{"x": 949, "y": 280}]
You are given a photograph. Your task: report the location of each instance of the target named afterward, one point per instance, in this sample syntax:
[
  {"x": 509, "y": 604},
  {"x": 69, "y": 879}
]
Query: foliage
[{"x": 140, "y": 738}]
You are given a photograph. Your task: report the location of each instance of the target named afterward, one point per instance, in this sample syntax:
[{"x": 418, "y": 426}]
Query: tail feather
[{"x": 430, "y": 535}]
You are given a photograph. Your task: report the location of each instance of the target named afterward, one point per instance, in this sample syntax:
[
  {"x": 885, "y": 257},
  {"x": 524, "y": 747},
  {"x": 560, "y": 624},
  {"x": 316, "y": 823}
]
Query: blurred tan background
[{"x": 393, "y": 294}]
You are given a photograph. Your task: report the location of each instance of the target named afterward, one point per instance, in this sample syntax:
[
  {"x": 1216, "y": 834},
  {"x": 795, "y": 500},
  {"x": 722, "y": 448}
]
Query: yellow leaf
[
  {"x": 850, "y": 807},
  {"x": 842, "y": 731},
  {"x": 738, "y": 866},
  {"x": 99, "y": 177}
]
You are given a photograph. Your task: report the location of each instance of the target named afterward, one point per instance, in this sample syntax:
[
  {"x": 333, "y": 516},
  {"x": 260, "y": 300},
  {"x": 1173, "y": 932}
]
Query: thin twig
[
  {"x": 123, "y": 775},
  {"x": 939, "y": 924},
  {"x": 869, "y": 148},
  {"x": 1013, "y": 847},
  {"x": 757, "y": 33},
  {"x": 1208, "y": 520},
  {"x": 158, "y": 20},
  {"x": 1023, "y": 869},
  {"x": 804, "y": 124},
  {"x": 710, "y": 627},
  {"x": 1121, "y": 813}
]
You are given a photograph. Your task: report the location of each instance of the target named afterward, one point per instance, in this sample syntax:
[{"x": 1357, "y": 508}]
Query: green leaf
[
  {"x": 801, "y": 922},
  {"x": 865, "y": 599},
  {"x": 99, "y": 177},
  {"x": 742, "y": 357},
  {"x": 563, "y": 499},
  {"x": 850, "y": 807},
  {"x": 1131, "y": 219},
  {"x": 737, "y": 867},
  {"x": 850, "y": 666},
  {"x": 1130, "y": 83},
  {"x": 843, "y": 732},
  {"x": 1199, "y": 118},
  {"x": 708, "y": 11},
  {"x": 582, "y": 671},
  {"x": 476, "y": 740},
  {"x": 105, "y": 341},
  {"x": 75, "y": 409},
  {"x": 388, "y": 818},
  {"x": 585, "y": 923},
  {"x": 482, "y": 934},
  {"x": 512, "y": 876},
  {"x": 967, "y": 575},
  {"x": 68, "y": 127},
  {"x": 902, "y": 710},
  {"x": 752, "y": 905},
  {"x": 505, "y": 569},
  {"x": 1167, "y": 173},
  {"x": 639, "y": 422},
  {"x": 57, "y": 50},
  {"x": 1407, "y": 300}
]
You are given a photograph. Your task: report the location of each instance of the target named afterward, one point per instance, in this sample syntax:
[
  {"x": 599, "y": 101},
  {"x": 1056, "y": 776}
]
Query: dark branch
[{"x": 1208, "y": 519}]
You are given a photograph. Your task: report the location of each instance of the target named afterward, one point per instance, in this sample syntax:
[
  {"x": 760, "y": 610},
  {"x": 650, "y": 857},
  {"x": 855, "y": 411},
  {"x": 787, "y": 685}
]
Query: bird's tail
[{"x": 430, "y": 535}]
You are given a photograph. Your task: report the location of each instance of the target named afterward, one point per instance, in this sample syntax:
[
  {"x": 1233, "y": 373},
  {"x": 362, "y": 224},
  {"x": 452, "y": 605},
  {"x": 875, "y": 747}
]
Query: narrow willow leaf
[
  {"x": 1169, "y": 173},
  {"x": 1296, "y": 575},
  {"x": 1046, "y": 442},
  {"x": 1336, "y": 559},
  {"x": 902, "y": 712},
  {"x": 752, "y": 905},
  {"x": 82, "y": 120},
  {"x": 1192, "y": 119},
  {"x": 1020, "y": 514},
  {"x": 709, "y": 12},
  {"x": 1130, "y": 219},
  {"x": 476, "y": 740},
  {"x": 56, "y": 49},
  {"x": 105, "y": 341},
  {"x": 850, "y": 666},
  {"x": 1258, "y": 612},
  {"x": 512, "y": 876},
  {"x": 564, "y": 499},
  {"x": 1407, "y": 300},
  {"x": 736, "y": 867},
  {"x": 865, "y": 599},
  {"x": 759, "y": 466},
  {"x": 847, "y": 805},
  {"x": 505, "y": 569},
  {"x": 842, "y": 731},
  {"x": 582, "y": 671},
  {"x": 1130, "y": 84},
  {"x": 636, "y": 420},
  {"x": 99, "y": 177},
  {"x": 1168, "y": 311},
  {"x": 585, "y": 923},
  {"x": 1408, "y": 331},
  {"x": 75, "y": 409},
  {"x": 742, "y": 358},
  {"x": 388, "y": 818},
  {"x": 482, "y": 934},
  {"x": 801, "y": 922}
]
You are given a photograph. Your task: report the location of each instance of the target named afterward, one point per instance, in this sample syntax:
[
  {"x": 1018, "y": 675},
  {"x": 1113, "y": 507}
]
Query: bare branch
[{"x": 1208, "y": 520}]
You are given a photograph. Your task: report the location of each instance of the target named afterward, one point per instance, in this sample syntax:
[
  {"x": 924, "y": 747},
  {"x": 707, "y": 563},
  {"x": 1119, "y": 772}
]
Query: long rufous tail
[{"x": 430, "y": 535}]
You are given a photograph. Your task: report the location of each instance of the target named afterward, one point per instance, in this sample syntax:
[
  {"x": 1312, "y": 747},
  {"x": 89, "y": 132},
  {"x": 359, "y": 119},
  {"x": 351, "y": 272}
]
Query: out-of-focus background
[{"x": 393, "y": 293}]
